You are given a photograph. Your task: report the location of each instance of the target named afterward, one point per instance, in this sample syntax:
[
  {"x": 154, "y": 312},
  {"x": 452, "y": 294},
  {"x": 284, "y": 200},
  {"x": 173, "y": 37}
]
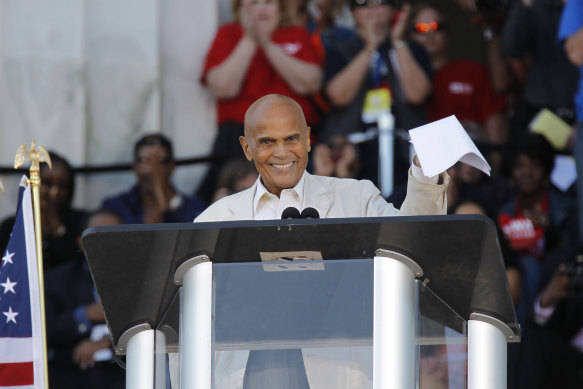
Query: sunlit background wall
[{"x": 86, "y": 78}]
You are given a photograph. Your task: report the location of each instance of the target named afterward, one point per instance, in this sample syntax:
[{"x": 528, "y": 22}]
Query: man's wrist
[
  {"x": 546, "y": 302},
  {"x": 369, "y": 50},
  {"x": 541, "y": 313},
  {"x": 417, "y": 172}
]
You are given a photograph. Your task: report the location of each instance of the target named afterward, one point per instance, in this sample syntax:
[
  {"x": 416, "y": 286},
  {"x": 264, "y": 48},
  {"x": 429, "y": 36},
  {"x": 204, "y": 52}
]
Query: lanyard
[{"x": 376, "y": 68}]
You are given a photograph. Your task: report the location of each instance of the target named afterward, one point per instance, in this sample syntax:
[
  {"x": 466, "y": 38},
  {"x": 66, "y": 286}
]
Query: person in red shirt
[
  {"x": 461, "y": 87},
  {"x": 259, "y": 53}
]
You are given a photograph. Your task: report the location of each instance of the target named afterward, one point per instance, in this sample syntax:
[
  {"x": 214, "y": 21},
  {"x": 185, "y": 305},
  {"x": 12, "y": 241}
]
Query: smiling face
[{"x": 277, "y": 140}]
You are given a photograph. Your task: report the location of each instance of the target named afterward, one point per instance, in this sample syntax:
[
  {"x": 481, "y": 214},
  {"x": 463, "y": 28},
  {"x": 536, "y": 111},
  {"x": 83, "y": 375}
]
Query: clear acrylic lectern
[{"x": 401, "y": 302}]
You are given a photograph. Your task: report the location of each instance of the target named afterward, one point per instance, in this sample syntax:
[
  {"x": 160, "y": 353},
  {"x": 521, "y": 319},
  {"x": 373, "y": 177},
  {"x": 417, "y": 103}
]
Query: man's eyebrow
[
  {"x": 262, "y": 138},
  {"x": 296, "y": 135}
]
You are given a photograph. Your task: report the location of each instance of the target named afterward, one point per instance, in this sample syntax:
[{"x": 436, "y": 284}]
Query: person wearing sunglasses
[
  {"x": 461, "y": 87},
  {"x": 374, "y": 64}
]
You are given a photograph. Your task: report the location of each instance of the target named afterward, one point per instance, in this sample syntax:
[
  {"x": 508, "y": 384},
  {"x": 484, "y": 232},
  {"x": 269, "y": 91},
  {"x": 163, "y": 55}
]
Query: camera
[{"x": 574, "y": 270}]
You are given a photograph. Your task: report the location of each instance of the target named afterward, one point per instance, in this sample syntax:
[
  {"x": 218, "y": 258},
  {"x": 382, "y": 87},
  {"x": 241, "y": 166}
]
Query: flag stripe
[
  {"x": 21, "y": 356},
  {"x": 20, "y": 350},
  {"x": 16, "y": 374},
  {"x": 20, "y": 387},
  {"x": 33, "y": 276}
]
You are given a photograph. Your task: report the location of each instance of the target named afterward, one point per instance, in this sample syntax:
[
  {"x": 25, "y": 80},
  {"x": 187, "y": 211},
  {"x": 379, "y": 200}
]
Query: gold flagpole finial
[{"x": 35, "y": 157}]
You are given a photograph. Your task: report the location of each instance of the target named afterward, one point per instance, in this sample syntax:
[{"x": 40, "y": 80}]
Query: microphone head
[
  {"x": 310, "y": 213},
  {"x": 290, "y": 213}
]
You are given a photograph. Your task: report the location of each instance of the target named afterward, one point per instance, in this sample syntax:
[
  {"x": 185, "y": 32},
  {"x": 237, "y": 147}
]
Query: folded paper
[{"x": 442, "y": 143}]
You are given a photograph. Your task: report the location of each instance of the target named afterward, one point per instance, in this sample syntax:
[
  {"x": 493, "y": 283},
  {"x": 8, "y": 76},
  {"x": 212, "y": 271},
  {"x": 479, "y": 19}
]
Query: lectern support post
[
  {"x": 487, "y": 338},
  {"x": 195, "y": 344},
  {"x": 140, "y": 360},
  {"x": 395, "y": 320}
]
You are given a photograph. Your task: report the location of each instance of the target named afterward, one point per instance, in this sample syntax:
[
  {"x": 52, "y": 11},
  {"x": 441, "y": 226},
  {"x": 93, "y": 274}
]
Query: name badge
[{"x": 376, "y": 103}]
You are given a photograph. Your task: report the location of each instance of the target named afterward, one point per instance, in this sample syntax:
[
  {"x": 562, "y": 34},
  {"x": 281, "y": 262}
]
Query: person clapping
[{"x": 260, "y": 53}]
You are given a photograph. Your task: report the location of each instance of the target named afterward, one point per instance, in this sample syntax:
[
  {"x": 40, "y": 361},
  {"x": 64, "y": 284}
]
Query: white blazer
[{"x": 340, "y": 197}]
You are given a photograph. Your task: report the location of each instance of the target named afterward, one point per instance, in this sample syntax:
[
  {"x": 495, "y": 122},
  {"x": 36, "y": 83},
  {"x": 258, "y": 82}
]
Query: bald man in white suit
[{"x": 277, "y": 140}]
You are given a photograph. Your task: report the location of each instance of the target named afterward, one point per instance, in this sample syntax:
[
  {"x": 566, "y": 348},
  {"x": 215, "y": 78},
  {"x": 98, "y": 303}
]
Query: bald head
[
  {"x": 277, "y": 140},
  {"x": 270, "y": 104}
]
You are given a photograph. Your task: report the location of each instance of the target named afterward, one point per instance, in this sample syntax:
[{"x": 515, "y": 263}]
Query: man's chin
[{"x": 288, "y": 184}]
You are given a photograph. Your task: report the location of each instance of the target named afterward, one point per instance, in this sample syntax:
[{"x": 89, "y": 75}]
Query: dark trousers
[{"x": 282, "y": 369}]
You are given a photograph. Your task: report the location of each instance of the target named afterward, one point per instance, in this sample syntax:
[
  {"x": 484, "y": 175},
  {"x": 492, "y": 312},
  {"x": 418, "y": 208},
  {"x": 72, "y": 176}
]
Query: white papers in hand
[{"x": 440, "y": 144}]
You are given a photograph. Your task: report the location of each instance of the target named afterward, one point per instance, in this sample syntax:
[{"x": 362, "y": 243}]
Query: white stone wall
[{"x": 86, "y": 78}]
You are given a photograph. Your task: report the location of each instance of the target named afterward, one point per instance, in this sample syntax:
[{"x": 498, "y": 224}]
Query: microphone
[
  {"x": 310, "y": 213},
  {"x": 290, "y": 213}
]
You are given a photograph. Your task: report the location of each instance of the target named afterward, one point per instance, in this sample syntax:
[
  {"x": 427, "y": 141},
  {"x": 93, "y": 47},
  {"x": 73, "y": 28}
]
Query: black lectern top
[{"x": 133, "y": 266}]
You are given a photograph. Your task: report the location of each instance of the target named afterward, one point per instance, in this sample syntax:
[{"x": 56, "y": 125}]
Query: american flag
[{"x": 21, "y": 353}]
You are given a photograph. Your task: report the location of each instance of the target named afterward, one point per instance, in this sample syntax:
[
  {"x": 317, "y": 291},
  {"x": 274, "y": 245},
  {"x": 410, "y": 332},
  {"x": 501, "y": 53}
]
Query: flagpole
[{"x": 35, "y": 157}]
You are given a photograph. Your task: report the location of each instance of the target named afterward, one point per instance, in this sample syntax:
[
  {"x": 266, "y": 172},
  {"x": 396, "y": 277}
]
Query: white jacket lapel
[
  {"x": 316, "y": 195},
  {"x": 242, "y": 206}
]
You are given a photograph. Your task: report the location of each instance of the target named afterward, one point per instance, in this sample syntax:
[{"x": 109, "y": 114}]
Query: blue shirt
[
  {"x": 128, "y": 206},
  {"x": 571, "y": 22}
]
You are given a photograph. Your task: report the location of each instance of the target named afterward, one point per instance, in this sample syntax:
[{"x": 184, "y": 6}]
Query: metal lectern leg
[
  {"x": 196, "y": 276},
  {"x": 140, "y": 361},
  {"x": 487, "y": 338},
  {"x": 395, "y": 320}
]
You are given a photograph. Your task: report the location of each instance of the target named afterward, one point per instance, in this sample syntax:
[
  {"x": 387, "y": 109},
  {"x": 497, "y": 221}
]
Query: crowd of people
[{"x": 394, "y": 56}]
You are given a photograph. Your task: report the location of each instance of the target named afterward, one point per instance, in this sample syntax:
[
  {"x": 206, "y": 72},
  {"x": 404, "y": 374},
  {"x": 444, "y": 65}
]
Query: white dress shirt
[{"x": 267, "y": 206}]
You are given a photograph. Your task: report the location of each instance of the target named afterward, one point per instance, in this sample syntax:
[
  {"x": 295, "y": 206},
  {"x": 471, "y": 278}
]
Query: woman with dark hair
[
  {"x": 61, "y": 224},
  {"x": 260, "y": 53},
  {"x": 540, "y": 218}
]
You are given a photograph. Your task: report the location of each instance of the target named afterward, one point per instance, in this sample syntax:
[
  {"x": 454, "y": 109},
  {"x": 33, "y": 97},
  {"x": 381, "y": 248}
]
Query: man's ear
[
  {"x": 245, "y": 147},
  {"x": 308, "y": 140}
]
